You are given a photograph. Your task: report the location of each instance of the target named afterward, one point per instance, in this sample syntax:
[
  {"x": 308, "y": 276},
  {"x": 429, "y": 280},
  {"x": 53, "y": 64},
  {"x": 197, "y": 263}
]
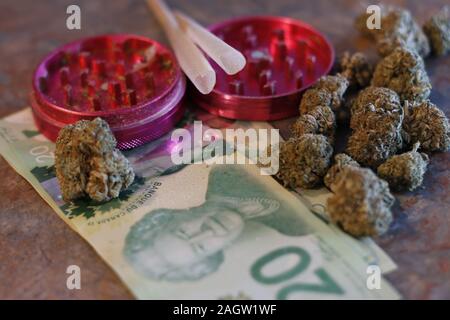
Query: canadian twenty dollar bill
[{"x": 200, "y": 231}]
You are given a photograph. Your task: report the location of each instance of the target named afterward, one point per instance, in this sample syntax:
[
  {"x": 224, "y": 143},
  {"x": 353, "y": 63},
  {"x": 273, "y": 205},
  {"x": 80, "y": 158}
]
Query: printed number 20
[
  {"x": 42, "y": 153},
  {"x": 326, "y": 284}
]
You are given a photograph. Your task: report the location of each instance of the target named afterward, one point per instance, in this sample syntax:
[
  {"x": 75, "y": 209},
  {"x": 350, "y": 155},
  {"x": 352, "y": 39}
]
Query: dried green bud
[
  {"x": 404, "y": 171},
  {"x": 356, "y": 68},
  {"x": 372, "y": 148},
  {"x": 304, "y": 124},
  {"x": 437, "y": 29},
  {"x": 336, "y": 86},
  {"x": 87, "y": 162},
  {"x": 381, "y": 98},
  {"x": 340, "y": 160},
  {"x": 313, "y": 98},
  {"x": 427, "y": 124},
  {"x": 109, "y": 174},
  {"x": 398, "y": 29},
  {"x": 404, "y": 72},
  {"x": 376, "y": 109},
  {"x": 319, "y": 120},
  {"x": 304, "y": 161},
  {"x": 361, "y": 203},
  {"x": 94, "y": 137},
  {"x": 419, "y": 44},
  {"x": 326, "y": 121},
  {"x": 377, "y": 119}
]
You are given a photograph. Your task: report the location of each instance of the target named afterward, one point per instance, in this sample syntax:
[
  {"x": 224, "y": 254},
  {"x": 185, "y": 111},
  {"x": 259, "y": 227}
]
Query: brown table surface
[{"x": 36, "y": 246}]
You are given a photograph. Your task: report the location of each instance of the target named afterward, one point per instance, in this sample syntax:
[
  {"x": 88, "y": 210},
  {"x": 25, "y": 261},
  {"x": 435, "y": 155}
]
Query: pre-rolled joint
[
  {"x": 205, "y": 82},
  {"x": 232, "y": 62}
]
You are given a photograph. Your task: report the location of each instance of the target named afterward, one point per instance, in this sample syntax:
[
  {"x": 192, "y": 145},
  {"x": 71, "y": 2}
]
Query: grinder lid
[
  {"x": 132, "y": 82},
  {"x": 284, "y": 57}
]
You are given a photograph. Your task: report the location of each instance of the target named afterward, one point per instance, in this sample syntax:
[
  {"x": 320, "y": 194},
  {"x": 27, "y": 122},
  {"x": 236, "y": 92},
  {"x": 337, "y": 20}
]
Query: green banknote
[
  {"x": 201, "y": 231},
  {"x": 315, "y": 201}
]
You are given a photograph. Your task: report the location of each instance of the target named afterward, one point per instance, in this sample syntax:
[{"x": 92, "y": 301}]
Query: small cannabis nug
[{"x": 88, "y": 164}]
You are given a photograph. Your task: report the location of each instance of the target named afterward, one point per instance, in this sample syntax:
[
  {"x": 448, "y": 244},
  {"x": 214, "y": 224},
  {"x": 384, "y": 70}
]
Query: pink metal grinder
[
  {"x": 284, "y": 57},
  {"x": 133, "y": 83}
]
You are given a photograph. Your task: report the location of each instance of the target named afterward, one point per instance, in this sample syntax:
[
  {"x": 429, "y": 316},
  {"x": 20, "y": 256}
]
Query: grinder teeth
[
  {"x": 236, "y": 87},
  {"x": 279, "y": 64},
  {"x": 104, "y": 75},
  {"x": 131, "y": 82},
  {"x": 284, "y": 57}
]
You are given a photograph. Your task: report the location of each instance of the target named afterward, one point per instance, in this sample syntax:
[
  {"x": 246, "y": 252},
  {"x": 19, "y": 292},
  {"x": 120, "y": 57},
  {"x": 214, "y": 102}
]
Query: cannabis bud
[
  {"x": 328, "y": 91},
  {"x": 404, "y": 72},
  {"x": 371, "y": 148},
  {"x": 376, "y": 122},
  {"x": 361, "y": 203},
  {"x": 304, "y": 161},
  {"x": 88, "y": 163},
  {"x": 304, "y": 124},
  {"x": 437, "y": 29},
  {"x": 313, "y": 98},
  {"x": 326, "y": 121},
  {"x": 398, "y": 29},
  {"x": 427, "y": 124},
  {"x": 340, "y": 160},
  {"x": 319, "y": 120},
  {"x": 404, "y": 171},
  {"x": 356, "y": 69},
  {"x": 375, "y": 108},
  {"x": 336, "y": 86}
]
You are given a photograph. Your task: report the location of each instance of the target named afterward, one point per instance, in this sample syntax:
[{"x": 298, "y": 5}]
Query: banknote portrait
[{"x": 189, "y": 244}]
